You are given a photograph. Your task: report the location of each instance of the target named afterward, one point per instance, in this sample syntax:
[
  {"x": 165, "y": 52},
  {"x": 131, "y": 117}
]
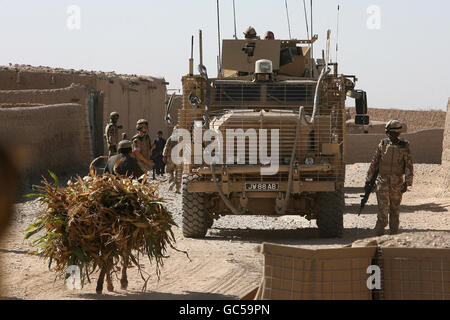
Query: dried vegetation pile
[{"x": 95, "y": 221}]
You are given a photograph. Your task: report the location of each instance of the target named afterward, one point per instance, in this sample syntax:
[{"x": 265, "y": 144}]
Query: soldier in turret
[
  {"x": 269, "y": 36},
  {"x": 250, "y": 34},
  {"x": 394, "y": 164}
]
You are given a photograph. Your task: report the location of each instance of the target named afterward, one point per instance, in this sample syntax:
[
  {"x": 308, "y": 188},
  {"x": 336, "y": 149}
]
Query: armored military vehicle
[{"x": 273, "y": 93}]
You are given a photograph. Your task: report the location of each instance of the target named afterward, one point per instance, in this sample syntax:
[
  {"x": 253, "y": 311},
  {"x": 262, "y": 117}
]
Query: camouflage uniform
[
  {"x": 250, "y": 33},
  {"x": 171, "y": 168},
  {"x": 112, "y": 135},
  {"x": 395, "y": 166},
  {"x": 144, "y": 146}
]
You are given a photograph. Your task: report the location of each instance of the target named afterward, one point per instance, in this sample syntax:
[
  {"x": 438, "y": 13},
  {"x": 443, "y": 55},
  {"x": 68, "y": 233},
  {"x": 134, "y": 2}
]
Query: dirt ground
[{"x": 227, "y": 264}]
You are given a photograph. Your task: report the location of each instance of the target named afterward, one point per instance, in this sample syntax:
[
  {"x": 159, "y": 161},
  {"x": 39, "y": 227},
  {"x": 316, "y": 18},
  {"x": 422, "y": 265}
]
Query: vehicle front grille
[{"x": 248, "y": 94}]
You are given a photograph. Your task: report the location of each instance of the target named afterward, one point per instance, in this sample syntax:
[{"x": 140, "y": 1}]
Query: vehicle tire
[
  {"x": 194, "y": 222},
  {"x": 330, "y": 218}
]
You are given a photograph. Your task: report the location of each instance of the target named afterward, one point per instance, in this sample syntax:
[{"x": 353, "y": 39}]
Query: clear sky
[{"x": 401, "y": 59}]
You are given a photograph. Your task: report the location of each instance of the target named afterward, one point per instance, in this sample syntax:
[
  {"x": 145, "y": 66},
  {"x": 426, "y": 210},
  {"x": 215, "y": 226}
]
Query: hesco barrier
[
  {"x": 297, "y": 274},
  {"x": 416, "y": 274},
  {"x": 292, "y": 273}
]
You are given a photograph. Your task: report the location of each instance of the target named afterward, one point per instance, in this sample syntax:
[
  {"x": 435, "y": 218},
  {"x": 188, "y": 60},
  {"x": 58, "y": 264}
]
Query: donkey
[{"x": 107, "y": 270}]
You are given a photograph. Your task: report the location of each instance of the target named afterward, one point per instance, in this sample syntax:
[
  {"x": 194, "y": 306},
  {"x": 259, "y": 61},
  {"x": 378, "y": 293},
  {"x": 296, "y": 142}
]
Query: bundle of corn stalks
[{"x": 96, "y": 221}]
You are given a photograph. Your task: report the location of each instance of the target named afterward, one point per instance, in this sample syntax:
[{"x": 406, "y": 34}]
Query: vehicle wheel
[
  {"x": 330, "y": 218},
  {"x": 194, "y": 222}
]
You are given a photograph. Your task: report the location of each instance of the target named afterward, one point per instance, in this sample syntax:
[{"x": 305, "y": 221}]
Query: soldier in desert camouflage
[
  {"x": 112, "y": 133},
  {"x": 250, "y": 34},
  {"x": 142, "y": 146},
  {"x": 170, "y": 166},
  {"x": 394, "y": 164}
]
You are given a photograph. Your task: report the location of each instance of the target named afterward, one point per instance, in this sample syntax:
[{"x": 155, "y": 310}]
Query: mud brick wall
[
  {"x": 27, "y": 77},
  {"x": 134, "y": 101},
  {"x": 446, "y": 154},
  {"x": 57, "y": 137},
  {"x": 426, "y": 146},
  {"x": 446, "y": 146},
  {"x": 75, "y": 93},
  {"x": 134, "y": 97},
  {"x": 416, "y": 120}
]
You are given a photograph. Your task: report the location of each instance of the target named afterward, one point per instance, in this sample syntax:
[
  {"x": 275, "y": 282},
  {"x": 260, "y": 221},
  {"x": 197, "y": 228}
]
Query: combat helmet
[
  {"x": 141, "y": 122},
  {"x": 394, "y": 126},
  {"x": 113, "y": 114},
  {"x": 250, "y": 32},
  {"x": 124, "y": 144}
]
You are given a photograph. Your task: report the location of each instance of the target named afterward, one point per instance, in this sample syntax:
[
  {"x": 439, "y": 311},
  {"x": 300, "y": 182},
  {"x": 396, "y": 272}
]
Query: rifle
[{"x": 370, "y": 189}]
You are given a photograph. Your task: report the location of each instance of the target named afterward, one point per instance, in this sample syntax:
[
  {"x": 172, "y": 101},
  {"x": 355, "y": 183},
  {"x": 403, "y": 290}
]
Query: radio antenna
[
  {"x": 306, "y": 19},
  {"x": 218, "y": 36},
  {"x": 287, "y": 15},
  {"x": 191, "y": 59},
  {"x": 337, "y": 34},
  {"x": 234, "y": 15},
  {"x": 312, "y": 30}
]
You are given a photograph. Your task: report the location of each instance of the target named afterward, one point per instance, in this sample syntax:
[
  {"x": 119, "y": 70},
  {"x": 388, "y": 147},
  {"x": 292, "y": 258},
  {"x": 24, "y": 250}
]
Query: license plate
[{"x": 262, "y": 186}]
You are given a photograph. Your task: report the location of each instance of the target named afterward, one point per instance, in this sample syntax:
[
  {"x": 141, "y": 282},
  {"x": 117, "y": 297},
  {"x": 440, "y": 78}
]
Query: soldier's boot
[
  {"x": 393, "y": 231},
  {"x": 394, "y": 223},
  {"x": 379, "y": 228}
]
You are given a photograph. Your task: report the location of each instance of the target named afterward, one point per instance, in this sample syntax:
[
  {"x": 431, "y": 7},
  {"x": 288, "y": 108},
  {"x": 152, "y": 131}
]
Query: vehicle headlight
[{"x": 309, "y": 161}]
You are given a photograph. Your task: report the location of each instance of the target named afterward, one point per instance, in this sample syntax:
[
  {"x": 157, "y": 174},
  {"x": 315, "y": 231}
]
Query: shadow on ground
[
  {"x": 373, "y": 208},
  {"x": 304, "y": 236},
  {"x": 353, "y": 190},
  {"x": 301, "y": 236},
  {"x": 152, "y": 295}
]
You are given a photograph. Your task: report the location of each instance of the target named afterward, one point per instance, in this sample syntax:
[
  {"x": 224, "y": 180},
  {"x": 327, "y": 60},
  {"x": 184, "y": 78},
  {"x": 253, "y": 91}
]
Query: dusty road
[{"x": 227, "y": 264}]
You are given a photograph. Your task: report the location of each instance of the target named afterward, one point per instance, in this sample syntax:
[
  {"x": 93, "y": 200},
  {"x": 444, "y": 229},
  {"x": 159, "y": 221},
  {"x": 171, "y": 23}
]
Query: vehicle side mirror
[
  {"x": 361, "y": 102},
  {"x": 360, "y": 96},
  {"x": 362, "y": 119}
]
